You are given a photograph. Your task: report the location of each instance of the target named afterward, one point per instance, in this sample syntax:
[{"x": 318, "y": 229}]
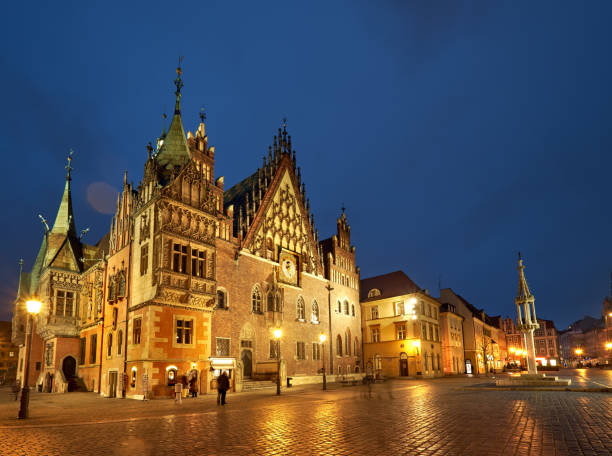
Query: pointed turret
[
  {"x": 526, "y": 318},
  {"x": 64, "y": 221},
  {"x": 174, "y": 151}
]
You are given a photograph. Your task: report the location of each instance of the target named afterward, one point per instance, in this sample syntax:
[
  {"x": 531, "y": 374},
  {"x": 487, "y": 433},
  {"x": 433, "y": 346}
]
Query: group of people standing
[{"x": 223, "y": 384}]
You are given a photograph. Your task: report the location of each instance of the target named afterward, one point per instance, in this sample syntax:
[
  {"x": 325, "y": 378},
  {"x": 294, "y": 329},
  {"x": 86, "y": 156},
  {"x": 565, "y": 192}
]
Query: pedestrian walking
[
  {"x": 223, "y": 385},
  {"x": 193, "y": 386}
]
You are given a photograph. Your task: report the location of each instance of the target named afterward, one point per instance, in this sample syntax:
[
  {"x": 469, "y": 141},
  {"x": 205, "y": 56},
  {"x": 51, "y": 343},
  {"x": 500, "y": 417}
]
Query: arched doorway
[
  {"x": 247, "y": 363},
  {"x": 403, "y": 364},
  {"x": 69, "y": 367},
  {"x": 69, "y": 370}
]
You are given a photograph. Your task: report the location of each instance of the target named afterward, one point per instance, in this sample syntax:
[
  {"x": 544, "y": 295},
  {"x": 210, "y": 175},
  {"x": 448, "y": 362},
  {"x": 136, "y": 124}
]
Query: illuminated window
[
  {"x": 172, "y": 376},
  {"x": 401, "y": 331},
  {"x": 179, "y": 258},
  {"x": 198, "y": 262}
]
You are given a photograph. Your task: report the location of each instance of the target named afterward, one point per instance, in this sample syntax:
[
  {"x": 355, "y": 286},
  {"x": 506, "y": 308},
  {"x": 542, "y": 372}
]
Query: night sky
[{"x": 455, "y": 134}]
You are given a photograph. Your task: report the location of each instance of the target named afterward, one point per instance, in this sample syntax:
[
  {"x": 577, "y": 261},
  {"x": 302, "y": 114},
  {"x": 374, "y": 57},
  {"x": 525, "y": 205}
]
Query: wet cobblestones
[{"x": 402, "y": 417}]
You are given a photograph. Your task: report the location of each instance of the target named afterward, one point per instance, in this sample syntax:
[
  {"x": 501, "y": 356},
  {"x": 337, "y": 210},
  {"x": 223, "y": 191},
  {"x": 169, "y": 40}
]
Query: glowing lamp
[
  {"x": 512, "y": 349},
  {"x": 278, "y": 333},
  {"x": 33, "y": 306},
  {"x": 609, "y": 346},
  {"x": 322, "y": 338},
  {"x": 578, "y": 351}
]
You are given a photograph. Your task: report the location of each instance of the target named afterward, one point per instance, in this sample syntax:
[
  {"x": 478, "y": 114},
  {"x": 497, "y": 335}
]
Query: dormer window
[{"x": 374, "y": 292}]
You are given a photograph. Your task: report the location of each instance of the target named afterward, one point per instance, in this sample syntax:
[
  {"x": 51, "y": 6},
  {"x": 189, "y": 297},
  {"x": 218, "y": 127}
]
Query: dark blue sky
[{"x": 455, "y": 134}]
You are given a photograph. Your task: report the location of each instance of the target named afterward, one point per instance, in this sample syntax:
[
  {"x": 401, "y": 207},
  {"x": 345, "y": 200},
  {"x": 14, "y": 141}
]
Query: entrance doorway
[
  {"x": 247, "y": 363},
  {"x": 69, "y": 367},
  {"x": 468, "y": 366},
  {"x": 112, "y": 384},
  {"x": 403, "y": 365}
]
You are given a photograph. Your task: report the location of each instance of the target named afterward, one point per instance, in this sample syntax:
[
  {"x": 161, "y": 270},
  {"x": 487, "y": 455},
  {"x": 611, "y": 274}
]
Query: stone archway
[{"x": 69, "y": 367}]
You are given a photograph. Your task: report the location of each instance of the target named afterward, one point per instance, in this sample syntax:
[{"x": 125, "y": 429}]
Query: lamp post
[
  {"x": 322, "y": 338},
  {"x": 578, "y": 352},
  {"x": 33, "y": 307},
  {"x": 277, "y": 335}
]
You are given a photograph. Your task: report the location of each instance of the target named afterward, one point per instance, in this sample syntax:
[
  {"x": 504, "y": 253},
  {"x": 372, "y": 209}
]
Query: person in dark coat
[{"x": 223, "y": 384}]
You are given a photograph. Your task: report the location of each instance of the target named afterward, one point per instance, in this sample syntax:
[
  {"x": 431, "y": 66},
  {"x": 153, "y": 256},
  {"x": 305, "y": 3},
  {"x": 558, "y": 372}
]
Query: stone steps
[{"x": 255, "y": 385}]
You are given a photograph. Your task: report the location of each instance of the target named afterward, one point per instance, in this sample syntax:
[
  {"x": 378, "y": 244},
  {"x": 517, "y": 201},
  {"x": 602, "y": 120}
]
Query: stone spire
[
  {"x": 174, "y": 151},
  {"x": 526, "y": 319},
  {"x": 64, "y": 221}
]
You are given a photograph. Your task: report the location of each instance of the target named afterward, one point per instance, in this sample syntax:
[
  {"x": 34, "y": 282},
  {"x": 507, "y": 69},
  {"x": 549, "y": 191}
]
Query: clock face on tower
[{"x": 288, "y": 268}]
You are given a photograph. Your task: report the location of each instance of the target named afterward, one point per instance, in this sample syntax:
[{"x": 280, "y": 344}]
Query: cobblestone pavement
[{"x": 408, "y": 417}]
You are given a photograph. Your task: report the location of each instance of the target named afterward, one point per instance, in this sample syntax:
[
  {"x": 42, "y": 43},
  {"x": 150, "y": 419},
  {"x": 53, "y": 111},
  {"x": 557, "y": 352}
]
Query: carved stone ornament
[{"x": 171, "y": 296}]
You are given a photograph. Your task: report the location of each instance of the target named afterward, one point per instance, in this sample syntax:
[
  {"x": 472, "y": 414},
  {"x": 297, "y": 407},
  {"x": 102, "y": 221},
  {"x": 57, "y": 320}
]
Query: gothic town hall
[{"x": 192, "y": 279}]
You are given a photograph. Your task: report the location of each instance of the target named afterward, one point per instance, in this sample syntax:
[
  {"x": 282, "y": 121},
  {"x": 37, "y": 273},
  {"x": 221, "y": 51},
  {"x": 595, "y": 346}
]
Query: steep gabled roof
[{"x": 392, "y": 284}]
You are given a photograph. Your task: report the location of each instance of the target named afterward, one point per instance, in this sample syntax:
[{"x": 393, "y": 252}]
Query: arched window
[
  {"x": 346, "y": 307},
  {"x": 119, "y": 341},
  {"x": 356, "y": 347},
  {"x": 221, "y": 299},
  {"x": 339, "y": 345},
  {"x": 277, "y": 303},
  {"x": 339, "y": 307},
  {"x": 347, "y": 343},
  {"x": 315, "y": 312},
  {"x": 353, "y": 310},
  {"x": 110, "y": 344},
  {"x": 301, "y": 309},
  {"x": 270, "y": 302},
  {"x": 256, "y": 299}
]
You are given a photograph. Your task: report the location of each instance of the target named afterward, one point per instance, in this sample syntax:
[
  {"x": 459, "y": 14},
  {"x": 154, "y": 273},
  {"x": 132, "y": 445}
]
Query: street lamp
[
  {"x": 322, "y": 338},
  {"x": 277, "y": 335},
  {"x": 33, "y": 307}
]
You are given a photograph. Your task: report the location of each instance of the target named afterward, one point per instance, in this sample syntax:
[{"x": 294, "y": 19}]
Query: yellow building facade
[{"x": 401, "y": 328}]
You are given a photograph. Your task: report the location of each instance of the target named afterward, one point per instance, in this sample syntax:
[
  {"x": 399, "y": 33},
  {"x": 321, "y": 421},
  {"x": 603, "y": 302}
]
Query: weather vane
[
  {"x": 69, "y": 165},
  {"x": 202, "y": 114}
]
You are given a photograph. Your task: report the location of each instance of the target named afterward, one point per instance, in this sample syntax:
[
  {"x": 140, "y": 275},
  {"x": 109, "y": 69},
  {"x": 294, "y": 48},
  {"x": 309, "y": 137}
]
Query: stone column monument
[
  {"x": 527, "y": 323},
  {"x": 526, "y": 319}
]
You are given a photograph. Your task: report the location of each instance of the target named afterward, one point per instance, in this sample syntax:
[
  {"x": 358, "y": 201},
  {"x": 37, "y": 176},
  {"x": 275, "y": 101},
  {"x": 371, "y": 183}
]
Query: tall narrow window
[
  {"x": 179, "y": 258},
  {"x": 347, "y": 343},
  {"x": 60, "y": 300},
  {"x": 109, "y": 348},
  {"x": 136, "y": 328},
  {"x": 301, "y": 309},
  {"x": 375, "y": 335},
  {"x": 69, "y": 309},
  {"x": 374, "y": 312},
  {"x": 119, "y": 342},
  {"x": 301, "y": 350},
  {"x": 315, "y": 312},
  {"x": 256, "y": 299},
  {"x": 93, "y": 348},
  {"x": 144, "y": 259},
  {"x": 316, "y": 351},
  {"x": 339, "y": 307},
  {"x": 346, "y": 307},
  {"x": 270, "y": 302},
  {"x": 401, "y": 331},
  {"x": 82, "y": 346},
  {"x": 352, "y": 310},
  {"x": 338, "y": 345},
  {"x": 198, "y": 259},
  {"x": 221, "y": 299},
  {"x": 115, "y": 317}
]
